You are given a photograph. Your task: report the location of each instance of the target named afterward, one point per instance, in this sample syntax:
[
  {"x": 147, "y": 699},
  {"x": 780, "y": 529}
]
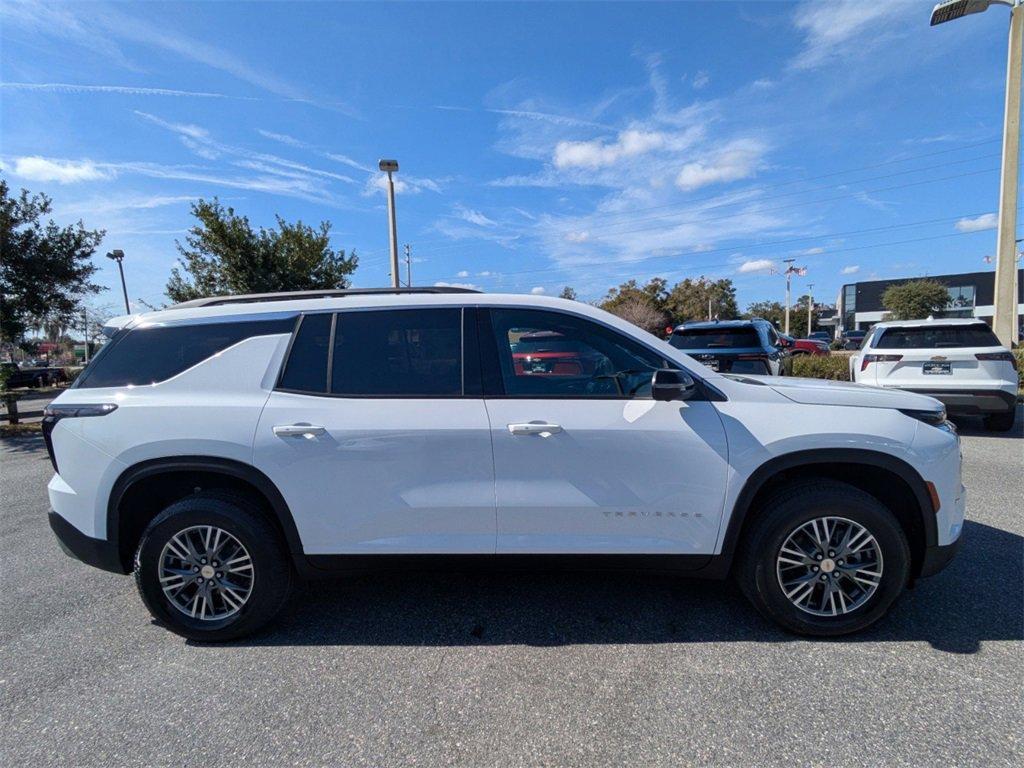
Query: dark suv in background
[{"x": 735, "y": 346}]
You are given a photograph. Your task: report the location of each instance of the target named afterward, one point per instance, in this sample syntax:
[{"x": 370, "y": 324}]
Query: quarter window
[
  {"x": 398, "y": 353},
  {"x": 155, "y": 354},
  {"x": 550, "y": 354}
]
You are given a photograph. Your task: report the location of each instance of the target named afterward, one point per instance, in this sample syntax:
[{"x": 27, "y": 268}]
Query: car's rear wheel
[
  {"x": 1001, "y": 422},
  {"x": 211, "y": 567},
  {"x": 823, "y": 558}
]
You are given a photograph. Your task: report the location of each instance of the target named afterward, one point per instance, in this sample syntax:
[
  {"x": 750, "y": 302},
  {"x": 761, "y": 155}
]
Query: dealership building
[{"x": 971, "y": 294}]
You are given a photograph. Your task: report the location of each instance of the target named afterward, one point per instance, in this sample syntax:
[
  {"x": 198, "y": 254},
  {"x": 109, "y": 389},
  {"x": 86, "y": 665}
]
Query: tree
[
  {"x": 642, "y": 305},
  {"x": 643, "y": 314},
  {"x": 772, "y": 311},
  {"x": 689, "y": 299},
  {"x": 223, "y": 255},
  {"x": 568, "y": 293},
  {"x": 45, "y": 269},
  {"x": 915, "y": 299}
]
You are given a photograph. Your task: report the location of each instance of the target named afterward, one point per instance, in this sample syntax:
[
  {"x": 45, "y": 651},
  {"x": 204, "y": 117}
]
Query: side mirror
[{"x": 669, "y": 384}]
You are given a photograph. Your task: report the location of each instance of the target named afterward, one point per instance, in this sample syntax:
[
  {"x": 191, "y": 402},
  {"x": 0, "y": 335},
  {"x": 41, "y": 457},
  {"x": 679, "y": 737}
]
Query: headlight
[{"x": 936, "y": 419}]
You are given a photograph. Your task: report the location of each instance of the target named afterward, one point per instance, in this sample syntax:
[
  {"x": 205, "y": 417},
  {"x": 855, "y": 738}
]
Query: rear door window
[
  {"x": 936, "y": 337},
  {"x": 153, "y": 354},
  {"x": 743, "y": 337},
  {"x": 306, "y": 369},
  {"x": 398, "y": 353}
]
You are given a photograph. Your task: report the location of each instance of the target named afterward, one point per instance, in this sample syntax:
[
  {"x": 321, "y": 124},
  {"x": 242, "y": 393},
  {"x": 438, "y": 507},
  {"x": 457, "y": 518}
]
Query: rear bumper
[
  {"x": 98, "y": 553},
  {"x": 972, "y": 401}
]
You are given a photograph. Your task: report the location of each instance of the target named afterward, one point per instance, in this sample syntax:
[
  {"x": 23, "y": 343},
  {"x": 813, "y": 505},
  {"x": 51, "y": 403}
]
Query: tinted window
[
  {"x": 715, "y": 338},
  {"x": 151, "y": 355},
  {"x": 306, "y": 370},
  {"x": 936, "y": 337},
  {"x": 548, "y": 354},
  {"x": 398, "y": 353}
]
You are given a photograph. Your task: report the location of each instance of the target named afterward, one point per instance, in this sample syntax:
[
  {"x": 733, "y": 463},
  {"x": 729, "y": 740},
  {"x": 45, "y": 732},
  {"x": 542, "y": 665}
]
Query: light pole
[
  {"x": 810, "y": 308},
  {"x": 1004, "y": 320},
  {"x": 118, "y": 256},
  {"x": 390, "y": 167},
  {"x": 790, "y": 271}
]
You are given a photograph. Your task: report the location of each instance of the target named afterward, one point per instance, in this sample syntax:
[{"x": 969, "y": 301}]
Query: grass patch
[
  {"x": 21, "y": 430},
  {"x": 833, "y": 367}
]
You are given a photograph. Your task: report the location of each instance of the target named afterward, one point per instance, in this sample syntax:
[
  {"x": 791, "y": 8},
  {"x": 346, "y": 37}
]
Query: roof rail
[{"x": 250, "y": 298}]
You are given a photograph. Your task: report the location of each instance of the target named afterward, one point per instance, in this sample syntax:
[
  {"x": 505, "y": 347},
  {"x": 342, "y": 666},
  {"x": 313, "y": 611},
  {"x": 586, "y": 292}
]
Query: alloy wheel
[
  {"x": 206, "y": 573},
  {"x": 829, "y": 566}
]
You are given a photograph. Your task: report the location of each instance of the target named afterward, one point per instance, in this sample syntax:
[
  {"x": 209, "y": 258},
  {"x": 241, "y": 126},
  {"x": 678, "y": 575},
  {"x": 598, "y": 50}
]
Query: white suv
[
  {"x": 959, "y": 362},
  {"x": 222, "y": 447}
]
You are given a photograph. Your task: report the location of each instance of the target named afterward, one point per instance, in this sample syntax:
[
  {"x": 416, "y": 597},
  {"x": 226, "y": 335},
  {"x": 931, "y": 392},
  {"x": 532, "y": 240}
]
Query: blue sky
[{"x": 541, "y": 145}]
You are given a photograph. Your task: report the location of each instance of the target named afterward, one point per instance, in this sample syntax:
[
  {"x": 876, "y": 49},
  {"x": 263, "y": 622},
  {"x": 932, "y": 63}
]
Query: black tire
[
  {"x": 272, "y": 570},
  {"x": 1001, "y": 422},
  {"x": 784, "y": 512}
]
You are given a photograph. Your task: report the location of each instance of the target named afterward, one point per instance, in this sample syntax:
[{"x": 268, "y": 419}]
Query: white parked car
[
  {"x": 959, "y": 362},
  {"x": 221, "y": 447}
]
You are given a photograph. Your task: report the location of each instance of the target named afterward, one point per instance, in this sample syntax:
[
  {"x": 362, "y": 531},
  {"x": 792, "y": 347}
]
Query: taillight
[
  {"x": 867, "y": 359},
  {"x": 54, "y": 413},
  {"x": 1000, "y": 357}
]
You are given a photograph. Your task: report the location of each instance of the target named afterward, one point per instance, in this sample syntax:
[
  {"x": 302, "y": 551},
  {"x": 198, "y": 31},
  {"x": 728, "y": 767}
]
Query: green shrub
[
  {"x": 835, "y": 367},
  {"x": 1019, "y": 354}
]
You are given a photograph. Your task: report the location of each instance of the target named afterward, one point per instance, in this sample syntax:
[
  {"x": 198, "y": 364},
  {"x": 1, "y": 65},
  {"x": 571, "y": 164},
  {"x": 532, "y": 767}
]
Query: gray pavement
[{"x": 513, "y": 669}]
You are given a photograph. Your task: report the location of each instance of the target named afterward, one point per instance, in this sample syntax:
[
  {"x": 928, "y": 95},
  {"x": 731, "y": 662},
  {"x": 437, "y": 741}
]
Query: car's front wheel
[
  {"x": 823, "y": 558},
  {"x": 211, "y": 567}
]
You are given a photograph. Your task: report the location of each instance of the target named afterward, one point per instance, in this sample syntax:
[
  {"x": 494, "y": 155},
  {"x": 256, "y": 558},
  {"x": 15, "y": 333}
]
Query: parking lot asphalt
[{"x": 514, "y": 669}]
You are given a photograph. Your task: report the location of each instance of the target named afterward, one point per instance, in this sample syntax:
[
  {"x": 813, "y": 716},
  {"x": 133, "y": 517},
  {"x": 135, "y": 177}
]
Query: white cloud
[
  {"x": 283, "y": 138},
  {"x": 37, "y": 168},
  {"x": 345, "y": 159},
  {"x": 194, "y": 132},
  {"x": 597, "y": 153},
  {"x": 577, "y": 237},
  {"x": 737, "y": 160},
  {"x": 763, "y": 84},
  {"x": 443, "y": 284},
  {"x": 701, "y": 79},
  {"x": 126, "y": 90},
  {"x": 538, "y": 290},
  {"x": 485, "y": 273},
  {"x": 755, "y": 265},
  {"x": 474, "y": 217},
  {"x": 840, "y": 28},
  {"x": 377, "y": 183},
  {"x": 463, "y": 273},
  {"x": 850, "y": 270},
  {"x": 978, "y": 224},
  {"x": 811, "y": 251}
]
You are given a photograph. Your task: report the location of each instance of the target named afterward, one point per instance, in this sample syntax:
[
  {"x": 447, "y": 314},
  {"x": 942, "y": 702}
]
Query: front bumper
[
  {"x": 937, "y": 558},
  {"x": 98, "y": 553}
]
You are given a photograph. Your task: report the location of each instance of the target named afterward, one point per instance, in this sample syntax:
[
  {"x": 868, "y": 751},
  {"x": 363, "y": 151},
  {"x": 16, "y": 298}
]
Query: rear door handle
[
  {"x": 298, "y": 430},
  {"x": 534, "y": 428}
]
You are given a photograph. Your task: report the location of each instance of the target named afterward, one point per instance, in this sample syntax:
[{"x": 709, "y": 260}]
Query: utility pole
[
  {"x": 1004, "y": 320},
  {"x": 390, "y": 167},
  {"x": 810, "y": 308},
  {"x": 85, "y": 323},
  {"x": 408, "y": 266}
]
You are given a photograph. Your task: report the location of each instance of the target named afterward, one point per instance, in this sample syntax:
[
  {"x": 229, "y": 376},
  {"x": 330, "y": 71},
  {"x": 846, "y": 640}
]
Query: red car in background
[
  {"x": 805, "y": 346},
  {"x": 548, "y": 353}
]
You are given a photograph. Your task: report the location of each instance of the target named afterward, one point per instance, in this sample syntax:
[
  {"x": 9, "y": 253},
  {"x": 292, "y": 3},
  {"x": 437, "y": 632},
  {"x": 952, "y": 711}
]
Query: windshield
[
  {"x": 937, "y": 337},
  {"x": 715, "y": 338}
]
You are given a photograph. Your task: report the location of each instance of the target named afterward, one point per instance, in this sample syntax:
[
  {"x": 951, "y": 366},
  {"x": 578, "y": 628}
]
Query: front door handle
[
  {"x": 534, "y": 428},
  {"x": 298, "y": 430}
]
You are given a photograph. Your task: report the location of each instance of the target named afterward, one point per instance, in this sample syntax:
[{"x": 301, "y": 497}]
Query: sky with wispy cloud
[{"x": 540, "y": 145}]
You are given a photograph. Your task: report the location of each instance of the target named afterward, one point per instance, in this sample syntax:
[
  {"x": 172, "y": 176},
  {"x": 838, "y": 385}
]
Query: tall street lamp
[
  {"x": 118, "y": 256},
  {"x": 390, "y": 167},
  {"x": 1004, "y": 321}
]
